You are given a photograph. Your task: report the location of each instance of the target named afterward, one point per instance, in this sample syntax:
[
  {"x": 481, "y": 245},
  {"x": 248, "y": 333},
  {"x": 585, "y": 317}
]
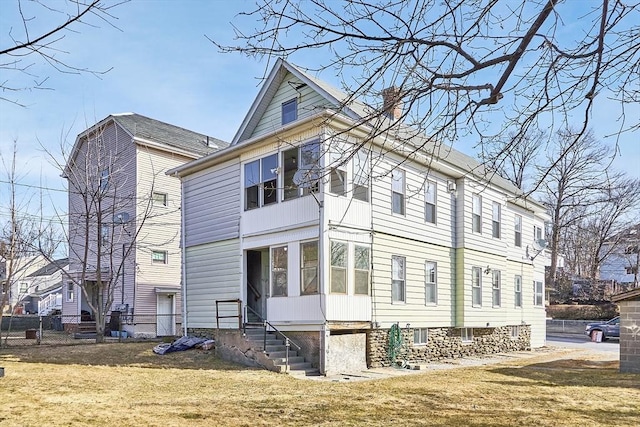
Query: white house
[
  {"x": 124, "y": 221},
  {"x": 346, "y": 242},
  {"x": 621, "y": 267},
  {"x": 43, "y": 288}
]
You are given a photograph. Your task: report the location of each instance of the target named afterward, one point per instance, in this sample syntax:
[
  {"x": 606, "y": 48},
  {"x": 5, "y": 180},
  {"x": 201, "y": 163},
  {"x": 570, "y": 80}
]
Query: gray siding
[
  {"x": 212, "y": 272},
  {"x": 212, "y": 204}
]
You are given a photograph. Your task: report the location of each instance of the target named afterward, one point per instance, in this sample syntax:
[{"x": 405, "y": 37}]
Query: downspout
[{"x": 183, "y": 273}]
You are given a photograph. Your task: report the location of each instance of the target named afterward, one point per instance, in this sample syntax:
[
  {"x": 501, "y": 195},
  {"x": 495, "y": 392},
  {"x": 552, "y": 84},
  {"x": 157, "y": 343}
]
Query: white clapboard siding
[
  {"x": 212, "y": 204},
  {"x": 213, "y": 272},
  {"x": 414, "y": 310}
]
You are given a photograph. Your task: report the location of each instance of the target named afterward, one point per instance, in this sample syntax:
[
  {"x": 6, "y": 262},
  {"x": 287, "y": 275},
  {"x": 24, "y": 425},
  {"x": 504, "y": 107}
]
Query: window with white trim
[
  {"x": 514, "y": 332},
  {"x": 495, "y": 288},
  {"x": 466, "y": 335},
  {"x": 159, "y": 199},
  {"x": 279, "y": 268},
  {"x": 261, "y": 182},
  {"x": 306, "y": 157},
  {"x": 159, "y": 257},
  {"x": 476, "y": 213},
  {"x": 398, "y": 191},
  {"x": 420, "y": 336},
  {"x": 104, "y": 234},
  {"x": 69, "y": 294},
  {"x": 309, "y": 268},
  {"x": 538, "y": 290},
  {"x": 338, "y": 279},
  {"x": 430, "y": 285},
  {"x": 289, "y": 111},
  {"x": 518, "y": 291},
  {"x": 518, "y": 230},
  {"x": 476, "y": 286},
  {"x": 361, "y": 175},
  {"x": 398, "y": 279},
  {"x": 104, "y": 179},
  {"x": 362, "y": 269},
  {"x": 537, "y": 232},
  {"x": 338, "y": 168},
  {"x": 24, "y": 287},
  {"x": 495, "y": 223},
  {"x": 430, "y": 202}
]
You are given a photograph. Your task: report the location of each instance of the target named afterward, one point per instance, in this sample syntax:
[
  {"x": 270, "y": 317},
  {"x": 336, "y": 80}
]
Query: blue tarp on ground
[{"x": 181, "y": 344}]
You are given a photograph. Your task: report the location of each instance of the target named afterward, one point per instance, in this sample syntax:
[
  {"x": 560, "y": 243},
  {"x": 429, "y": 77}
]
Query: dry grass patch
[{"x": 126, "y": 384}]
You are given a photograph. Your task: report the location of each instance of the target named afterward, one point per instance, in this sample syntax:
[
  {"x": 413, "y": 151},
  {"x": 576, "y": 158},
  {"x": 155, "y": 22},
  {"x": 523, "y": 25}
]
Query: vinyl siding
[
  {"x": 212, "y": 272},
  {"x": 212, "y": 204},
  {"x": 309, "y": 102}
]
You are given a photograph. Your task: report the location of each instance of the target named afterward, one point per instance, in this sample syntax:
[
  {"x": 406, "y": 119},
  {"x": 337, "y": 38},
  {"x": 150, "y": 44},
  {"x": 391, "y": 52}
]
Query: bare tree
[
  {"x": 38, "y": 40},
  {"x": 461, "y": 68},
  {"x": 108, "y": 217},
  {"x": 515, "y": 160},
  {"x": 577, "y": 184},
  {"x": 22, "y": 231}
]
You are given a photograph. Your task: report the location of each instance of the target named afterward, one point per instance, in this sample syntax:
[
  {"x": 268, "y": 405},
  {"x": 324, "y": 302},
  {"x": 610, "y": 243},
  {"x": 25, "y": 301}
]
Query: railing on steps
[{"x": 266, "y": 325}]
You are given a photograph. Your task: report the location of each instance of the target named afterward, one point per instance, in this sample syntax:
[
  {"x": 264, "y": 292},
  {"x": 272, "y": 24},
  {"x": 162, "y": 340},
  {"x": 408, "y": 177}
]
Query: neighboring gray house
[
  {"x": 43, "y": 293},
  {"x": 124, "y": 220},
  {"x": 343, "y": 241},
  {"x": 621, "y": 267}
]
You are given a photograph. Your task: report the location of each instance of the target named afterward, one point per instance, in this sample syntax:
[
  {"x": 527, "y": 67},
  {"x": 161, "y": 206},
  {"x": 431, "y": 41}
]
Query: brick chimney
[{"x": 392, "y": 102}]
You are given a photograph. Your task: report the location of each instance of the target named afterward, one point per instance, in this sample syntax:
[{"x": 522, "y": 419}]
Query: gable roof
[
  {"x": 51, "y": 268},
  {"x": 141, "y": 127},
  {"x": 144, "y": 129},
  {"x": 360, "y": 114}
]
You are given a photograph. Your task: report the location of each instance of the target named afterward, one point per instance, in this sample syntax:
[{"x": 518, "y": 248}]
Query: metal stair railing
[{"x": 265, "y": 325}]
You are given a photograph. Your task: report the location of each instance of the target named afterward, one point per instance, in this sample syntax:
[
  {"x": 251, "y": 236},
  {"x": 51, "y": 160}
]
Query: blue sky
[{"x": 165, "y": 68}]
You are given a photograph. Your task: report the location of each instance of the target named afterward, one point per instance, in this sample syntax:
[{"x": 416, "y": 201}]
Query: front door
[
  {"x": 166, "y": 323},
  {"x": 257, "y": 284}
]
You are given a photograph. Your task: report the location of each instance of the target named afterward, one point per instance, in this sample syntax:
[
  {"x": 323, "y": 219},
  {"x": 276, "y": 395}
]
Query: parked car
[{"x": 609, "y": 329}]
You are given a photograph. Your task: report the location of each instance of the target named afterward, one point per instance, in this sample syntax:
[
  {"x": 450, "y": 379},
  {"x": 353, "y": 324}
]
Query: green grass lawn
[{"x": 126, "y": 385}]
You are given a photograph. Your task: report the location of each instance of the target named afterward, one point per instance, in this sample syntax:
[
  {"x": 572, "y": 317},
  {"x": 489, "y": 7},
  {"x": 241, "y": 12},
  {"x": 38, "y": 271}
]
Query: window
[
  {"x": 518, "y": 231},
  {"x": 397, "y": 191},
  {"x": 518, "y": 291},
  {"x": 537, "y": 233},
  {"x": 309, "y": 268},
  {"x": 430, "y": 287},
  {"x": 104, "y": 234},
  {"x": 515, "y": 332},
  {"x": 24, "y": 287},
  {"x": 289, "y": 111},
  {"x": 495, "y": 223},
  {"x": 476, "y": 210},
  {"x": 538, "y": 293},
  {"x": 279, "y": 272},
  {"x": 305, "y": 157},
  {"x": 361, "y": 176},
  {"x": 338, "y": 280},
  {"x": 420, "y": 336},
  {"x": 260, "y": 182},
  {"x": 631, "y": 249},
  {"x": 495, "y": 288},
  {"x": 362, "y": 270},
  {"x": 398, "y": 275},
  {"x": 631, "y": 270},
  {"x": 430, "y": 202},
  {"x": 159, "y": 199},
  {"x": 338, "y": 173},
  {"x": 159, "y": 257},
  {"x": 104, "y": 179},
  {"x": 476, "y": 287},
  {"x": 69, "y": 292},
  {"x": 466, "y": 335}
]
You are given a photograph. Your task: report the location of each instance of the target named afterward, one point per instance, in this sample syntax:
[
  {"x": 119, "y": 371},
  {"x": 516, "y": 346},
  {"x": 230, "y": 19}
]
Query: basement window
[
  {"x": 420, "y": 336},
  {"x": 466, "y": 334},
  {"x": 515, "y": 332}
]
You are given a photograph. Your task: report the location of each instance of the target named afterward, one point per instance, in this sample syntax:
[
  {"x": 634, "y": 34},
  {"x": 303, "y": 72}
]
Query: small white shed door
[{"x": 166, "y": 323}]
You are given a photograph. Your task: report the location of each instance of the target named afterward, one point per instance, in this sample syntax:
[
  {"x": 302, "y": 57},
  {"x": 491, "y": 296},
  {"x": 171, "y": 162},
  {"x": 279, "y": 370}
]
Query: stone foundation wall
[
  {"x": 445, "y": 343},
  {"x": 310, "y": 345}
]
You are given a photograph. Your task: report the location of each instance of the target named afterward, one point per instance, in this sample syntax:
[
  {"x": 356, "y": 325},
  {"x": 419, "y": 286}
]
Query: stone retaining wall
[{"x": 445, "y": 343}]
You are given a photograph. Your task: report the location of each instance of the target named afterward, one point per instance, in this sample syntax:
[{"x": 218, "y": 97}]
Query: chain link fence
[{"x": 29, "y": 330}]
